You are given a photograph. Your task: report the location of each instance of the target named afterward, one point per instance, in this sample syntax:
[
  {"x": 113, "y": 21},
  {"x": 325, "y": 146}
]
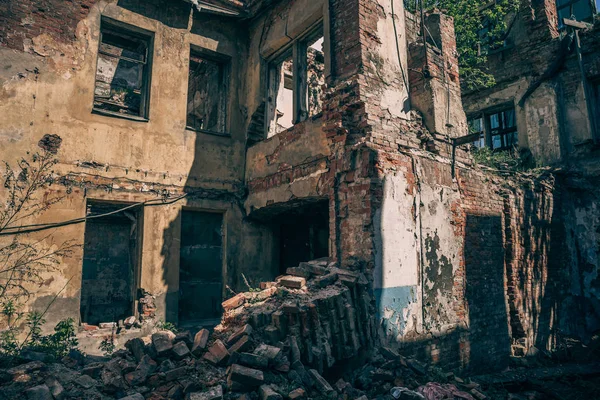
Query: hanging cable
[
  {"x": 398, "y": 47},
  {"x": 18, "y": 230}
]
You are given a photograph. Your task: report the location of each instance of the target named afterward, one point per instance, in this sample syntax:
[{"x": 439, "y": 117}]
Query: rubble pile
[
  {"x": 273, "y": 344},
  {"x": 325, "y": 309}
]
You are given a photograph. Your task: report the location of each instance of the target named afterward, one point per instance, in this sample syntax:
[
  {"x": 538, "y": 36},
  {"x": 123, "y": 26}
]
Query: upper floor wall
[
  {"x": 127, "y": 116},
  {"x": 546, "y": 94}
]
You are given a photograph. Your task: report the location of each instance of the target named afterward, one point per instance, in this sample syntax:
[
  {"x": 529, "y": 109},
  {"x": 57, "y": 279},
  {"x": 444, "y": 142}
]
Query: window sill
[
  {"x": 205, "y": 131},
  {"x": 117, "y": 115}
]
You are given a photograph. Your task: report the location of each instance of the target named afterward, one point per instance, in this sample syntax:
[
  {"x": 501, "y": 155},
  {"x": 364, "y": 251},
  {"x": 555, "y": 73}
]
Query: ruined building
[{"x": 254, "y": 135}]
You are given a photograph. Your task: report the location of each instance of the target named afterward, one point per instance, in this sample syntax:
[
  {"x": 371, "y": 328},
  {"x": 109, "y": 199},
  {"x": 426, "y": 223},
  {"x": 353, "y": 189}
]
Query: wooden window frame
[
  {"x": 485, "y": 115},
  {"x": 224, "y": 62},
  {"x": 298, "y": 48},
  {"x": 118, "y": 27}
]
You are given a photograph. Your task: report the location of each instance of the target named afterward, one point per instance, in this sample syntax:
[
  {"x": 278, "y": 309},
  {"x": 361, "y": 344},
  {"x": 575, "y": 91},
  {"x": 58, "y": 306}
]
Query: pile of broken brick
[{"x": 273, "y": 344}]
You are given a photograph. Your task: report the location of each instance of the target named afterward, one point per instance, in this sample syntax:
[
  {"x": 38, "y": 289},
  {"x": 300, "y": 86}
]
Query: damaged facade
[{"x": 284, "y": 131}]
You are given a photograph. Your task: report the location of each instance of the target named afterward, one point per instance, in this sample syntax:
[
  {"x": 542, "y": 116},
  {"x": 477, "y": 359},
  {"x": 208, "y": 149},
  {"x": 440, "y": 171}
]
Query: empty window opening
[
  {"x": 207, "y": 93},
  {"x": 580, "y": 10},
  {"x": 282, "y": 83},
  {"x": 122, "y": 72},
  {"x": 109, "y": 272},
  {"x": 200, "y": 268},
  {"x": 295, "y": 82},
  {"x": 304, "y": 234},
  {"x": 497, "y": 129},
  {"x": 316, "y": 75}
]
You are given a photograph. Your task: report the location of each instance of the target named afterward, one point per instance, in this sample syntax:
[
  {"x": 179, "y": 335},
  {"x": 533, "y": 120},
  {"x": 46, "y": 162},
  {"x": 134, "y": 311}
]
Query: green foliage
[
  {"x": 107, "y": 345},
  {"x": 166, "y": 326},
  {"x": 62, "y": 340},
  {"x": 57, "y": 344},
  {"x": 509, "y": 160},
  {"x": 471, "y": 40}
]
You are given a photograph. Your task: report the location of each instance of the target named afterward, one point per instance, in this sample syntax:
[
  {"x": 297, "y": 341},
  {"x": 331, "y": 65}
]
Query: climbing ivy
[{"x": 480, "y": 25}]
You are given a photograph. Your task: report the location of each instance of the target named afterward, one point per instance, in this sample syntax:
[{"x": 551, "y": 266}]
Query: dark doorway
[
  {"x": 304, "y": 234},
  {"x": 200, "y": 268},
  {"x": 109, "y": 263}
]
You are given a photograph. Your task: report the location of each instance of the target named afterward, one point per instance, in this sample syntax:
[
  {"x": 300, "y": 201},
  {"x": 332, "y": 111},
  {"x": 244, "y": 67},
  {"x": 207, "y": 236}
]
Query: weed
[
  {"x": 166, "y": 326},
  {"x": 107, "y": 345}
]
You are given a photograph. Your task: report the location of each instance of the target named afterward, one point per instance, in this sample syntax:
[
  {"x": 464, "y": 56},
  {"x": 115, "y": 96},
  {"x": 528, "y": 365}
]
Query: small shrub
[
  {"x": 107, "y": 345},
  {"x": 62, "y": 340},
  {"x": 166, "y": 326},
  {"x": 510, "y": 160}
]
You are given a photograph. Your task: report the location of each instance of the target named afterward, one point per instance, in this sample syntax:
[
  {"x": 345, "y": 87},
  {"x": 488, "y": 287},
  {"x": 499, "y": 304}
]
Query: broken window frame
[
  {"x": 488, "y": 133},
  {"x": 224, "y": 63},
  {"x": 298, "y": 48},
  {"x": 121, "y": 29},
  {"x": 570, "y": 5}
]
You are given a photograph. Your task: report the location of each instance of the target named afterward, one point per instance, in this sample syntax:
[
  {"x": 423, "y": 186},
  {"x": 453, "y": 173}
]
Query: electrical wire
[
  {"x": 398, "y": 47},
  {"x": 18, "y": 230}
]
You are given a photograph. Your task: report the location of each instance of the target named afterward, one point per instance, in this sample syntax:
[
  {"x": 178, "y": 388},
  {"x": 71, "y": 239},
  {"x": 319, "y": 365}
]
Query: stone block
[
  {"x": 200, "y": 341},
  {"x": 40, "y": 392},
  {"x": 252, "y": 360},
  {"x": 129, "y": 322},
  {"x": 320, "y": 383},
  {"x": 299, "y": 272},
  {"x": 235, "y": 336},
  {"x": 86, "y": 381},
  {"x": 297, "y": 394},
  {"x": 266, "y": 392},
  {"x": 314, "y": 268},
  {"x": 136, "y": 396},
  {"x": 241, "y": 345},
  {"x": 292, "y": 282},
  {"x": 136, "y": 347},
  {"x": 219, "y": 352},
  {"x": 326, "y": 280},
  {"x": 186, "y": 337},
  {"x": 213, "y": 393},
  {"x": 234, "y": 302},
  {"x": 162, "y": 343},
  {"x": 180, "y": 351},
  {"x": 244, "y": 376}
]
